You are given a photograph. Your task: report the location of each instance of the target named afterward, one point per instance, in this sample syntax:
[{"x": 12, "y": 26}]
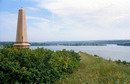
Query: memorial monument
[{"x": 21, "y": 36}]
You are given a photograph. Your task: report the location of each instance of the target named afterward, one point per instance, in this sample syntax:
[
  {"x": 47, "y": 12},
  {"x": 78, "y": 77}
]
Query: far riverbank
[{"x": 113, "y": 52}]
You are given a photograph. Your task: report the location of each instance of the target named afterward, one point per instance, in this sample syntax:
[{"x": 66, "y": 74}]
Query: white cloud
[
  {"x": 103, "y": 12},
  {"x": 37, "y": 18},
  {"x": 90, "y": 19},
  {"x": 32, "y": 8},
  {"x": 8, "y": 26},
  {"x": 49, "y": 32},
  {"x": 8, "y": 23},
  {"x": 74, "y": 20}
]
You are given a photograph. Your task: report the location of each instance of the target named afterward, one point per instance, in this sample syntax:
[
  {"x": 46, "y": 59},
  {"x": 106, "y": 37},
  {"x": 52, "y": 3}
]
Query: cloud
[
  {"x": 48, "y": 32},
  {"x": 90, "y": 19},
  {"x": 37, "y": 18},
  {"x": 32, "y": 9},
  {"x": 8, "y": 26},
  {"x": 8, "y": 23},
  {"x": 102, "y": 12},
  {"x": 72, "y": 20}
]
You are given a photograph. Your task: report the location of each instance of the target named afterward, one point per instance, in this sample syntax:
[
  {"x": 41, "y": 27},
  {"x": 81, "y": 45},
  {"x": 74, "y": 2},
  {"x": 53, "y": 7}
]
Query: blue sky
[{"x": 67, "y": 20}]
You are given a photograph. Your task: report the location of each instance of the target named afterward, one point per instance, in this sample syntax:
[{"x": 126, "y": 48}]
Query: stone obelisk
[{"x": 21, "y": 36}]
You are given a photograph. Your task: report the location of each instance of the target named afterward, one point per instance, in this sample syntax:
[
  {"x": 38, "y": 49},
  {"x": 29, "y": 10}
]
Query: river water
[{"x": 113, "y": 52}]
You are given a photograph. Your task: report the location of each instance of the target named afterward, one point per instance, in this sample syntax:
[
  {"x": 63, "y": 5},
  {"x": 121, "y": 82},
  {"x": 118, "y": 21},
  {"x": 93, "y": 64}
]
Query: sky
[{"x": 67, "y": 20}]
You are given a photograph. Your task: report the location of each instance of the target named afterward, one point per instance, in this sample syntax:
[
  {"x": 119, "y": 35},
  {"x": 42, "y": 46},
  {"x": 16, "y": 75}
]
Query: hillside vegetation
[
  {"x": 43, "y": 66},
  {"x": 38, "y": 66},
  {"x": 95, "y": 70}
]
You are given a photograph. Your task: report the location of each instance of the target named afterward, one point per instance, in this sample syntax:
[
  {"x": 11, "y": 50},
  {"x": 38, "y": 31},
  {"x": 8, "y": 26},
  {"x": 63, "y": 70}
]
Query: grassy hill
[{"x": 95, "y": 70}]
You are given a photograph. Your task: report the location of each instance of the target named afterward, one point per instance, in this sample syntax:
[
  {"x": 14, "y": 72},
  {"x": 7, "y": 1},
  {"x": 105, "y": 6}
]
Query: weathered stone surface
[{"x": 21, "y": 36}]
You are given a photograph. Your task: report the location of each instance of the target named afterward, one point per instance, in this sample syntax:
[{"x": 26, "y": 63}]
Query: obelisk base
[{"x": 21, "y": 45}]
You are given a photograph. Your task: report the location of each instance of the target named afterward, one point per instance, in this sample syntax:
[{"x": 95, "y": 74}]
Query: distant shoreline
[
  {"x": 68, "y": 44},
  {"x": 75, "y": 43}
]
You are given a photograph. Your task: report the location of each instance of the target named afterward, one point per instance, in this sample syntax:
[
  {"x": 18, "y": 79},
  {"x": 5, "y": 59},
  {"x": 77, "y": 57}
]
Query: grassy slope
[{"x": 94, "y": 70}]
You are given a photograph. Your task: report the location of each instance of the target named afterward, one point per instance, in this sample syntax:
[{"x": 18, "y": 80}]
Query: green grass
[{"x": 95, "y": 70}]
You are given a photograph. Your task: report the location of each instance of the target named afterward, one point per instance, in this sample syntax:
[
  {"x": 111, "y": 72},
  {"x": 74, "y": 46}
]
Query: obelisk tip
[{"x": 21, "y": 8}]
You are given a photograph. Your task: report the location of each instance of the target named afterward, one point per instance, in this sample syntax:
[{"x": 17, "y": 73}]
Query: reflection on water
[{"x": 112, "y": 52}]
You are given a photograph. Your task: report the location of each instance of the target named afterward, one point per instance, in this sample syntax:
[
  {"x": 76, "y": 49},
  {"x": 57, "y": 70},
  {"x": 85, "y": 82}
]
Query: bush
[
  {"x": 35, "y": 66},
  {"x": 8, "y": 45},
  {"x": 123, "y": 62}
]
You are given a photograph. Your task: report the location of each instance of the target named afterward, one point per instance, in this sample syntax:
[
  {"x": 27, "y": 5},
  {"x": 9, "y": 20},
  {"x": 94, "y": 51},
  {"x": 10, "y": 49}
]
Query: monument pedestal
[{"x": 21, "y": 45}]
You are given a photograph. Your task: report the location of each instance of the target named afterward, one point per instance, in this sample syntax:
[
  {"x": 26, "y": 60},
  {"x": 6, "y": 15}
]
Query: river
[{"x": 113, "y": 52}]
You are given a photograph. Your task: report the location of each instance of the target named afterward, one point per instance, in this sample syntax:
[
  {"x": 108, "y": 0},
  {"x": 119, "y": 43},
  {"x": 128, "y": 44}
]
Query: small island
[{"x": 124, "y": 44}]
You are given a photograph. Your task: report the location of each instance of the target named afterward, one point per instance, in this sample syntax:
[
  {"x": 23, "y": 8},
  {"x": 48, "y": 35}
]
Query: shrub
[
  {"x": 35, "y": 66},
  {"x": 10, "y": 45},
  {"x": 123, "y": 62}
]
